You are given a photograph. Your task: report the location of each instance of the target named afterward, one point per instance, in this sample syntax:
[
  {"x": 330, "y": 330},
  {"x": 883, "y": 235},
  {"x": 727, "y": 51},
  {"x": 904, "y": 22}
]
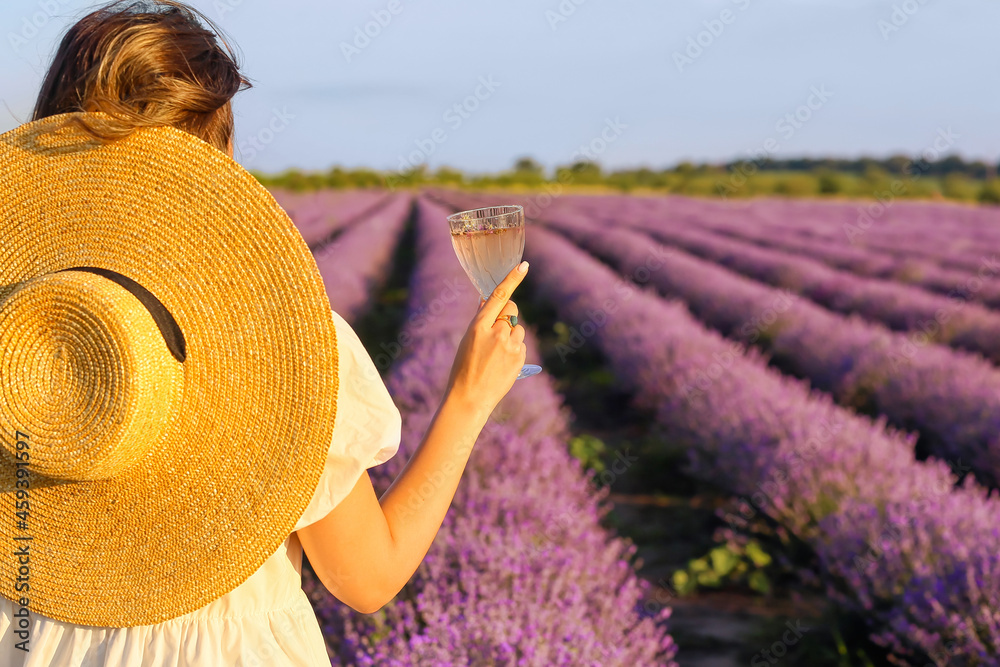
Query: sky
[{"x": 389, "y": 84}]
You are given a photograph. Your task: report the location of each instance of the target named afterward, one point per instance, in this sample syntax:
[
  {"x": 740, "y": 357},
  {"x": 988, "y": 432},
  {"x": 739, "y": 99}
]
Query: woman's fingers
[
  {"x": 493, "y": 306},
  {"x": 491, "y": 351},
  {"x": 517, "y": 335},
  {"x": 510, "y": 308},
  {"x": 502, "y": 325}
]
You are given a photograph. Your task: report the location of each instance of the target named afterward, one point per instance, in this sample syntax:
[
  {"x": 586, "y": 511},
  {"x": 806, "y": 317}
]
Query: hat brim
[{"x": 202, "y": 511}]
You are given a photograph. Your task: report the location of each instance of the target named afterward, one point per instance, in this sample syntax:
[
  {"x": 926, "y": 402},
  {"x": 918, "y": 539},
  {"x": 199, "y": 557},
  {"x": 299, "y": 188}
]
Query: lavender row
[
  {"x": 975, "y": 285},
  {"x": 806, "y": 231},
  {"x": 917, "y": 246},
  {"x": 950, "y": 321},
  {"x": 358, "y": 261},
  {"x": 952, "y": 398},
  {"x": 521, "y": 572},
  {"x": 938, "y": 230},
  {"x": 894, "y": 540},
  {"x": 320, "y": 214},
  {"x": 912, "y": 245},
  {"x": 811, "y": 224},
  {"x": 948, "y": 234}
]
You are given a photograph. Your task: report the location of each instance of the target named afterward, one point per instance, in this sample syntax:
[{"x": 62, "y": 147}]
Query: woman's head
[{"x": 147, "y": 63}]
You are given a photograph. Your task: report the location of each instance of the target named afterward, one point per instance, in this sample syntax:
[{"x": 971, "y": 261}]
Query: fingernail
[{"x": 522, "y": 267}]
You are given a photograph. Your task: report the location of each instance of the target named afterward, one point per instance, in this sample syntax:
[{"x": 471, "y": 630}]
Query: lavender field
[{"x": 767, "y": 432}]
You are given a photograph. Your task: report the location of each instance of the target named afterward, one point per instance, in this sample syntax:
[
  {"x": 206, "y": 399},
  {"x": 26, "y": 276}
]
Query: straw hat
[{"x": 174, "y": 402}]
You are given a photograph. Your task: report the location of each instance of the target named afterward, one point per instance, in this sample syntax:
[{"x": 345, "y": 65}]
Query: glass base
[{"x": 528, "y": 370}]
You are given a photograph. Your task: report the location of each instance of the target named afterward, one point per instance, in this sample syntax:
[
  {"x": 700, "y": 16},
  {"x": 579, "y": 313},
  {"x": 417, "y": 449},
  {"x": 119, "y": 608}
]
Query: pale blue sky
[{"x": 556, "y": 83}]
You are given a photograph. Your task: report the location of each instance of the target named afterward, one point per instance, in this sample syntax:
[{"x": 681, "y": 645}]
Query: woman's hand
[{"x": 491, "y": 352}]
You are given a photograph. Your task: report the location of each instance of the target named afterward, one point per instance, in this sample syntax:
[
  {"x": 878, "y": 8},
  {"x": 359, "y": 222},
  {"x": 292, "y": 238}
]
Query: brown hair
[{"x": 146, "y": 63}]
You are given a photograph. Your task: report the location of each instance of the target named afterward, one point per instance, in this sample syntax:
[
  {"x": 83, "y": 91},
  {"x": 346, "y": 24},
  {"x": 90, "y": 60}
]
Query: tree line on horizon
[{"x": 950, "y": 177}]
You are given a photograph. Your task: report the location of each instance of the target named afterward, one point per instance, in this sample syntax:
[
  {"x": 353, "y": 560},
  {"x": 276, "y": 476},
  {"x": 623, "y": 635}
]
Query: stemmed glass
[{"x": 489, "y": 243}]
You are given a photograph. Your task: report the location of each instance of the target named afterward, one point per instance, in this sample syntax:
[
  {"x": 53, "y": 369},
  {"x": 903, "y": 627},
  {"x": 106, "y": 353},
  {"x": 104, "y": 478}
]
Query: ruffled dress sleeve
[{"x": 366, "y": 430}]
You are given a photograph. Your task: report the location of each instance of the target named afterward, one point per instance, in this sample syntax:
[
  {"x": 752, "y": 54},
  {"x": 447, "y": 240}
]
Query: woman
[{"x": 153, "y": 64}]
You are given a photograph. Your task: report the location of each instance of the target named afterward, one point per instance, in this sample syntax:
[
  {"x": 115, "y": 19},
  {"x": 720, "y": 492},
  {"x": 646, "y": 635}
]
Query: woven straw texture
[{"x": 168, "y": 483}]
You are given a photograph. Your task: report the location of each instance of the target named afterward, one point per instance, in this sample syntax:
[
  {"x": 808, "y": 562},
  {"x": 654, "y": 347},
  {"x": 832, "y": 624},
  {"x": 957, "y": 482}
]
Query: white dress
[{"x": 267, "y": 620}]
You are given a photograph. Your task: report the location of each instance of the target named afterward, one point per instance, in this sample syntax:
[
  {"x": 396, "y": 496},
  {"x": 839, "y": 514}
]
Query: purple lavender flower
[
  {"x": 358, "y": 260},
  {"x": 319, "y": 214},
  {"x": 952, "y": 398},
  {"x": 521, "y": 573},
  {"x": 837, "y": 480}
]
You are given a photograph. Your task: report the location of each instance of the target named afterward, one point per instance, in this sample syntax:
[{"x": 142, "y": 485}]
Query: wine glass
[{"x": 489, "y": 243}]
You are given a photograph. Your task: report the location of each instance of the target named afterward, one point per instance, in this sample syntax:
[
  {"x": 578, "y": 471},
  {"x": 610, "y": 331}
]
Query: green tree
[
  {"x": 337, "y": 178},
  {"x": 528, "y": 165},
  {"x": 685, "y": 168},
  {"x": 449, "y": 175},
  {"x": 830, "y": 182},
  {"x": 990, "y": 193},
  {"x": 961, "y": 187},
  {"x": 580, "y": 173},
  {"x": 798, "y": 185}
]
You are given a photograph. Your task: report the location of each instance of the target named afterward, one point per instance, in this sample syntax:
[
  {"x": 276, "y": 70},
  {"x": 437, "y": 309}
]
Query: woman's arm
[{"x": 366, "y": 548}]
